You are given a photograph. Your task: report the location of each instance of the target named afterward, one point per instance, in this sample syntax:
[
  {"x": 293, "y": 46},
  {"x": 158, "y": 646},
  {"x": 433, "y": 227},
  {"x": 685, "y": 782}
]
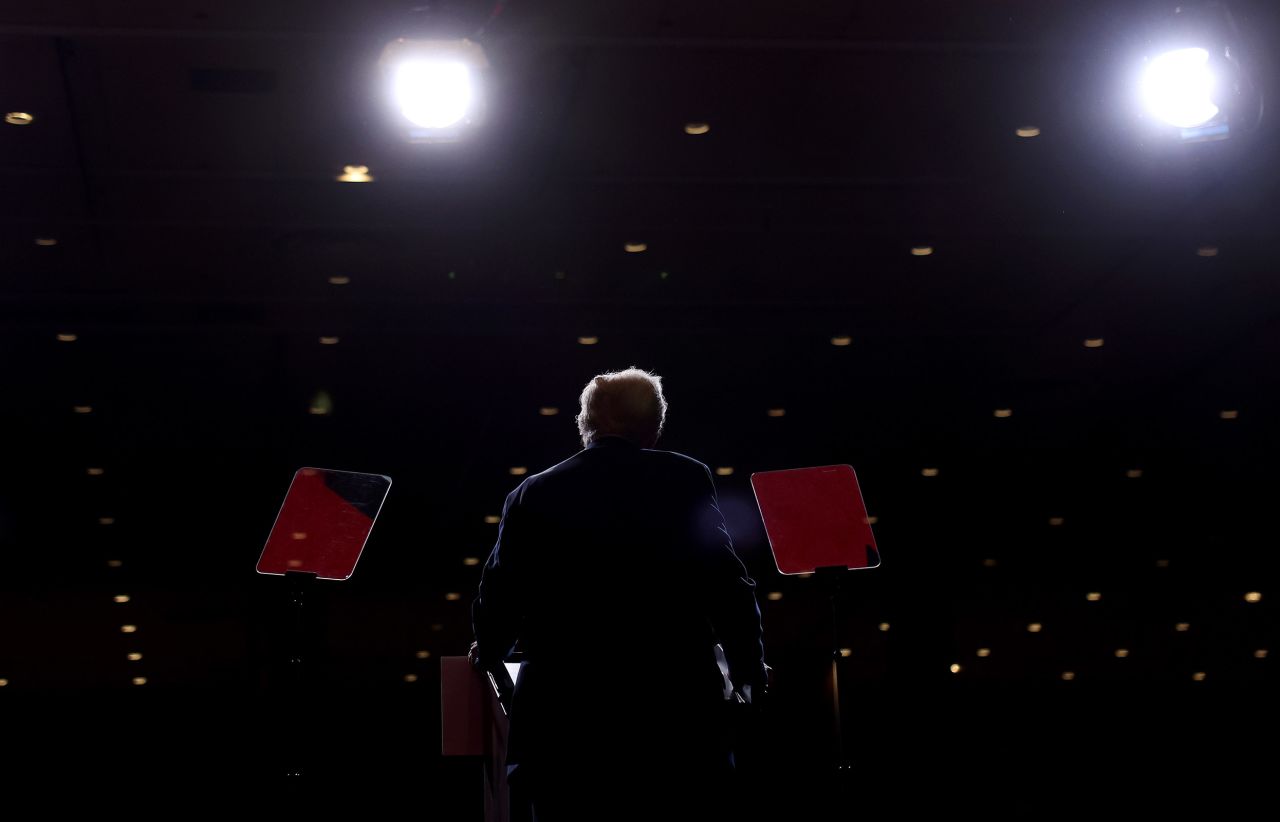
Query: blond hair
[{"x": 626, "y": 403}]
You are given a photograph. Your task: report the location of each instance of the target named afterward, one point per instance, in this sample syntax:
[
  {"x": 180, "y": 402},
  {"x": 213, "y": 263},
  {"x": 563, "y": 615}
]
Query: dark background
[{"x": 183, "y": 156}]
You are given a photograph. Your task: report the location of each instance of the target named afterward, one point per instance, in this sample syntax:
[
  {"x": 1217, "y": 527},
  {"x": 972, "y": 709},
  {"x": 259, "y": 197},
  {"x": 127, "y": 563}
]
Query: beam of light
[
  {"x": 1177, "y": 88},
  {"x": 433, "y": 93}
]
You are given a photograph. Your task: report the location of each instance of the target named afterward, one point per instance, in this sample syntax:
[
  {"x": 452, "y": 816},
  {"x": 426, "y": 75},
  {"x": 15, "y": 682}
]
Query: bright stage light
[
  {"x": 1178, "y": 87},
  {"x": 435, "y": 87}
]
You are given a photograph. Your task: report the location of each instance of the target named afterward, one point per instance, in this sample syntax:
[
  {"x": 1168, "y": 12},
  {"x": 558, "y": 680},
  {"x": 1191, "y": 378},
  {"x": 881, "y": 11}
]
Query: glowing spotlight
[
  {"x": 18, "y": 118},
  {"x": 1253, "y": 596},
  {"x": 139, "y": 680},
  {"x": 423, "y": 654},
  {"x": 133, "y": 656},
  {"x": 355, "y": 174},
  {"x": 548, "y": 411},
  {"x": 1178, "y": 86},
  {"x": 724, "y": 471},
  {"x": 921, "y": 250},
  {"x": 435, "y": 87},
  {"x": 955, "y": 668},
  {"x": 1027, "y": 131},
  {"x": 696, "y": 128}
]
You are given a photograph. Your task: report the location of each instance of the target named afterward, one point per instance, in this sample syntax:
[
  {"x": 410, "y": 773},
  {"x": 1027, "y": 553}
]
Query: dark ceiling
[{"x": 183, "y": 155}]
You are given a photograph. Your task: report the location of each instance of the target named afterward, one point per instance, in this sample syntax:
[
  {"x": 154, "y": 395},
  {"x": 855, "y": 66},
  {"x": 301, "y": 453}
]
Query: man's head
[{"x": 625, "y": 404}]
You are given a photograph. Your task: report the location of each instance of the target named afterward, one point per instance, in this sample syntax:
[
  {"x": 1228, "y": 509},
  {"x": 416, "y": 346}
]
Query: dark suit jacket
[{"x": 616, "y": 573}]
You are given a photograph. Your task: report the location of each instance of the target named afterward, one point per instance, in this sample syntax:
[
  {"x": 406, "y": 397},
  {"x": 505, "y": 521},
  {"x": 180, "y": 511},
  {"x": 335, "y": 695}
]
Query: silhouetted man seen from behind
[{"x": 617, "y": 576}]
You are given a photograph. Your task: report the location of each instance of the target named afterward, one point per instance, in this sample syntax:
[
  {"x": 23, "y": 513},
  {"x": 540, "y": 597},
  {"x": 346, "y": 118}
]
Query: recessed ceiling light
[
  {"x": 1207, "y": 251},
  {"x": 410, "y": 677},
  {"x": 870, "y": 520},
  {"x": 82, "y": 409},
  {"x": 452, "y": 597},
  {"x": 128, "y": 629},
  {"x": 139, "y": 680},
  {"x": 1229, "y": 415},
  {"x": 518, "y": 470},
  {"x": 1198, "y": 676},
  {"x": 437, "y": 627},
  {"x": 67, "y": 338},
  {"x": 846, "y": 652},
  {"x": 1003, "y": 413},
  {"x": 955, "y": 667},
  {"x": 1121, "y": 653},
  {"x": 114, "y": 563},
  {"x": 929, "y": 472},
  {"x": 94, "y": 472},
  {"x": 1056, "y": 521},
  {"x": 1027, "y": 131},
  {"x": 634, "y": 248},
  {"x": 989, "y": 563},
  {"x": 1067, "y": 676},
  {"x": 133, "y": 656},
  {"x": 588, "y": 340},
  {"x": 1133, "y": 473},
  {"x": 1162, "y": 563},
  {"x": 355, "y": 174},
  {"x": 884, "y": 626},
  {"x": 46, "y": 242},
  {"x": 1253, "y": 596},
  {"x": 697, "y": 128},
  {"x": 328, "y": 340},
  {"x": 423, "y": 654},
  {"x": 1093, "y": 596},
  {"x": 106, "y": 520},
  {"x": 777, "y": 412},
  {"x": 1094, "y": 342},
  {"x": 19, "y": 118},
  {"x": 841, "y": 340},
  {"x": 724, "y": 470},
  {"x": 921, "y": 250},
  {"x": 1261, "y": 653},
  {"x": 1035, "y": 627},
  {"x": 120, "y": 598},
  {"x": 492, "y": 519},
  {"x": 1182, "y": 627},
  {"x": 548, "y": 411},
  {"x": 470, "y": 561},
  {"x": 774, "y": 596},
  {"x": 3, "y": 682},
  {"x": 339, "y": 280},
  {"x": 984, "y": 652}
]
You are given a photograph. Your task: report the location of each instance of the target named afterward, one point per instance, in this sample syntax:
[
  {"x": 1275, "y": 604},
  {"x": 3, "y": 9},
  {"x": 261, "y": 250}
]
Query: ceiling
[{"x": 183, "y": 156}]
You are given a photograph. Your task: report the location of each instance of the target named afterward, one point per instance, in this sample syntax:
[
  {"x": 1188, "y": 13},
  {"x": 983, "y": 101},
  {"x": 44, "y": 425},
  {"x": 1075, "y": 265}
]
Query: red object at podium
[{"x": 815, "y": 518}]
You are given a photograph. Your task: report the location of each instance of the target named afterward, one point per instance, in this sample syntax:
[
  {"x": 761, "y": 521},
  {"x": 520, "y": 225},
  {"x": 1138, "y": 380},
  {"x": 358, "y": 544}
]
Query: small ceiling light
[
  {"x": 139, "y": 680},
  {"x": 1207, "y": 251},
  {"x": 774, "y": 596},
  {"x": 634, "y": 248},
  {"x": 114, "y": 563},
  {"x": 871, "y": 520},
  {"x": 989, "y": 563},
  {"x": 921, "y": 250},
  {"x": 471, "y": 562},
  {"x": 548, "y": 411},
  {"x": 120, "y": 598},
  {"x": 339, "y": 280},
  {"x": 662, "y": 275},
  {"x": 884, "y": 626},
  {"x": 1182, "y": 627},
  {"x": 1027, "y": 131},
  {"x": 696, "y": 128},
  {"x": 298, "y": 535},
  {"x": 1056, "y": 521},
  {"x": 410, "y": 677},
  {"x": 321, "y": 403},
  {"x": 1067, "y": 676},
  {"x": 133, "y": 656},
  {"x": 46, "y": 242},
  {"x": 1094, "y": 342},
  {"x": 1003, "y": 413},
  {"x": 67, "y": 338},
  {"x": 724, "y": 471},
  {"x": 1035, "y": 627},
  {"x": 929, "y": 472},
  {"x": 1261, "y": 653},
  {"x": 435, "y": 87},
  {"x": 777, "y": 412},
  {"x": 1093, "y": 596},
  {"x": 423, "y": 654},
  {"x": 518, "y": 470},
  {"x": 94, "y": 472},
  {"x": 437, "y": 627},
  {"x": 955, "y": 668},
  {"x": 355, "y": 174},
  {"x": 18, "y": 118},
  {"x": 82, "y": 409},
  {"x": 3, "y": 682},
  {"x": 128, "y": 629},
  {"x": 1178, "y": 88},
  {"x": 452, "y": 597},
  {"x": 984, "y": 652},
  {"x": 588, "y": 340},
  {"x": 1121, "y": 653},
  {"x": 1198, "y": 676},
  {"x": 1133, "y": 473},
  {"x": 492, "y": 519},
  {"x": 841, "y": 340},
  {"x": 1229, "y": 415},
  {"x": 328, "y": 340},
  {"x": 1253, "y": 596},
  {"x": 1162, "y": 563},
  {"x": 106, "y": 520},
  {"x": 846, "y": 652}
]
